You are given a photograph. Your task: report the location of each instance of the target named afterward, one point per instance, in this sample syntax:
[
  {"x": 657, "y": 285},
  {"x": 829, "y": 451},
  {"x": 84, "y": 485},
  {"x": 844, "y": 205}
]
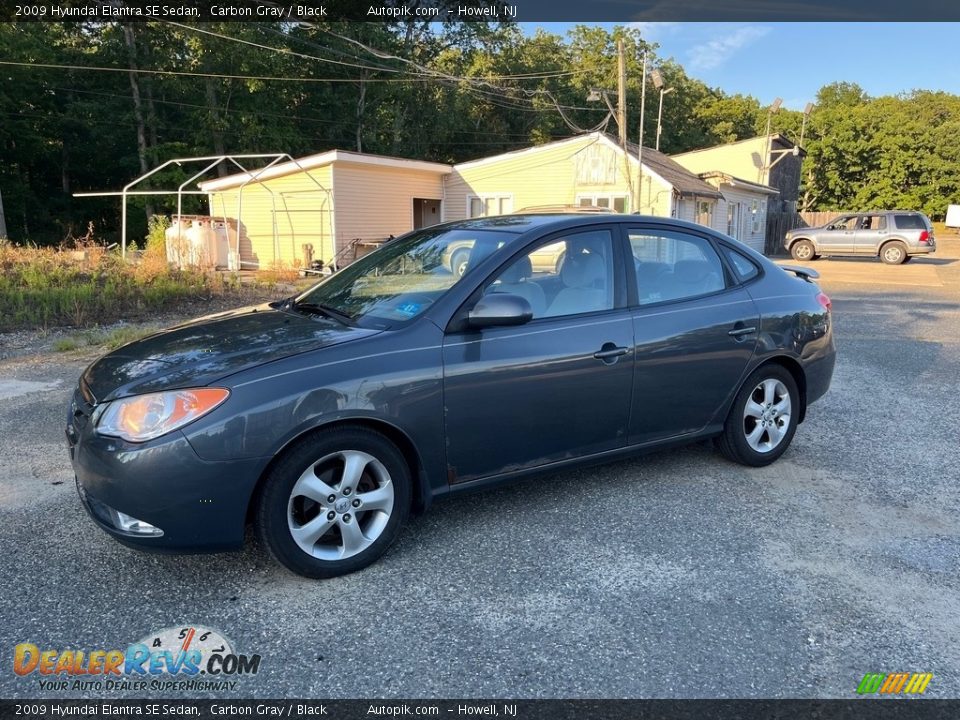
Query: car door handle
[
  {"x": 610, "y": 351},
  {"x": 739, "y": 332}
]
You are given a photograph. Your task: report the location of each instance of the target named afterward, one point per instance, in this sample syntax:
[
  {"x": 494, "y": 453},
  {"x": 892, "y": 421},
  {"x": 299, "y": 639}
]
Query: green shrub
[{"x": 44, "y": 287}]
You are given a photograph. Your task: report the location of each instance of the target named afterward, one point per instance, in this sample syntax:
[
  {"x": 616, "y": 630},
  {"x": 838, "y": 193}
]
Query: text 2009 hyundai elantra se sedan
[{"x": 329, "y": 417}]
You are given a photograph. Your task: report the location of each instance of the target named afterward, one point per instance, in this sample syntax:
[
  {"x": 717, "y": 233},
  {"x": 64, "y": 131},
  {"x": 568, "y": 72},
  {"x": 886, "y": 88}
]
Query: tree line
[{"x": 91, "y": 105}]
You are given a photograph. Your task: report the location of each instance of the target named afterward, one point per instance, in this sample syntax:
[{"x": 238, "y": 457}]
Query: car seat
[
  {"x": 516, "y": 281},
  {"x": 584, "y": 277},
  {"x": 691, "y": 278}
]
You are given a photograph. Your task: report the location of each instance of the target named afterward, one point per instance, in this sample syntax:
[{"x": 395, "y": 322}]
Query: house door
[{"x": 426, "y": 212}]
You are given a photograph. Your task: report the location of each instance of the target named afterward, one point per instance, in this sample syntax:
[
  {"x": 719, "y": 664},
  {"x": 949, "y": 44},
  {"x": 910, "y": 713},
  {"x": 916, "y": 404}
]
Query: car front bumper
[{"x": 197, "y": 505}]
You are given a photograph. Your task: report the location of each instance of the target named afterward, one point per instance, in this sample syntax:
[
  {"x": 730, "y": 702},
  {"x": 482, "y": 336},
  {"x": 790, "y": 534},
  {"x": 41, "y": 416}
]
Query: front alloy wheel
[
  {"x": 763, "y": 418},
  {"x": 803, "y": 250},
  {"x": 335, "y": 502},
  {"x": 340, "y": 505}
]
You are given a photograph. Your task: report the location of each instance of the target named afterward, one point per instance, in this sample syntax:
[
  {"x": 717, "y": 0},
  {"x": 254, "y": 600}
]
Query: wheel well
[
  {"x": 397, "y": 437},
  {"x": 891, "y": 240},
  {"x": 794, "y": 368},
  {"x": 794, "y": 241}
]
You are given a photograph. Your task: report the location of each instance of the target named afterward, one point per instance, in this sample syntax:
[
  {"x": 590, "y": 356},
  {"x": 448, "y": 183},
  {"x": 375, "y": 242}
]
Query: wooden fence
[{"x": 780, "y": 223}]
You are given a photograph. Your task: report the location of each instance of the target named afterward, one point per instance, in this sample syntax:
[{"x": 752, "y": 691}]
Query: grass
[
  {"x": 940, "y": 229},
  {"x": 105, "y": 340},
  {"x": 43, "y": 287}
]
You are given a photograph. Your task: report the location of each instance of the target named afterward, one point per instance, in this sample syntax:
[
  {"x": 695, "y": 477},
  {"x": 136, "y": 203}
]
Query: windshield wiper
[{"x": 321, "y": 309}]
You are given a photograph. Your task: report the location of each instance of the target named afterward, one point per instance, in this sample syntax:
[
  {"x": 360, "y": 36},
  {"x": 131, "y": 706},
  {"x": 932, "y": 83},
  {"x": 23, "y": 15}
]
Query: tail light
[
  {"x": 924, "y": 236},
  {"x": 824, "y": 301}
]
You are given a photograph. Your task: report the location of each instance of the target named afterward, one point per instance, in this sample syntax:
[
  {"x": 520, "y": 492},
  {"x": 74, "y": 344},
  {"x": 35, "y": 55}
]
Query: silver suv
[{"x": 895, "y": 236}]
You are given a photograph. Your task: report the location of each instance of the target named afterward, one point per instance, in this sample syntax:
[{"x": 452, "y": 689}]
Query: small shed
[{"x": 319, "y": 206}]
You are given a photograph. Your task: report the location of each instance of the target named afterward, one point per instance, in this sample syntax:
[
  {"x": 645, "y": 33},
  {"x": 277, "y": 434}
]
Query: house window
[
  {"x": 616, "y": 202},
  {"x": 704, "y": 215},
  {"x": 483, "y": 205},
  {"x": 758, "y": 209}
]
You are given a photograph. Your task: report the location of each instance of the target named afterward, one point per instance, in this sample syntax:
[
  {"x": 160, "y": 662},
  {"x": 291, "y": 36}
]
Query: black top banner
[{"x": 478, "y": 10}]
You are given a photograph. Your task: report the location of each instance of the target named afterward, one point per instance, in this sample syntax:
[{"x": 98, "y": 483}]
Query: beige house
[
  {"x": 771, "y": 160},
  {"x": 330, "y": 200},
  {"x": 592, "y": 170},
  {"x": 325, "y": 201},
  {"x": 587, "y": 169}
]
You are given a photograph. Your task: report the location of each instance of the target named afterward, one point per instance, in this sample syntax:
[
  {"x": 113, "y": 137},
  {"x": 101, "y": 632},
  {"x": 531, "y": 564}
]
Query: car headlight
[{"x": 143, "y": 417}]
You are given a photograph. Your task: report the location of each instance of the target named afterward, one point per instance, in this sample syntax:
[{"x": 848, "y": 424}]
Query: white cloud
[
  {"x": 650, "y": 31},
  {"x": 718, "y": 50}
]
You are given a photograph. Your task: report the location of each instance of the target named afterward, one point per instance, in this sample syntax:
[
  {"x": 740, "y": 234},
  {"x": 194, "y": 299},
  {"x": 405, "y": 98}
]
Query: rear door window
[{"x": 672, "y": 265}]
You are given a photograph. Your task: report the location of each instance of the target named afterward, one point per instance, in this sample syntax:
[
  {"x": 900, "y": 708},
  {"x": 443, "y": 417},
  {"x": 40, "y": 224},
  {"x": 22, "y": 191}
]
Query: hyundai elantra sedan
[{"x": 328, "y": 418}]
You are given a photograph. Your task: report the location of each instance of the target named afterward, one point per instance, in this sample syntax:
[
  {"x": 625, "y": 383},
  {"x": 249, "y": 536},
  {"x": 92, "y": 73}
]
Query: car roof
[{"x": 545, "y": 222}]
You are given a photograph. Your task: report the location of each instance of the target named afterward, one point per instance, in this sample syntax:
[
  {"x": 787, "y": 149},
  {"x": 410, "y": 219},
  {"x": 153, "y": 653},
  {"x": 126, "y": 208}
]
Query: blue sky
[{"x": 793, "y": 60}]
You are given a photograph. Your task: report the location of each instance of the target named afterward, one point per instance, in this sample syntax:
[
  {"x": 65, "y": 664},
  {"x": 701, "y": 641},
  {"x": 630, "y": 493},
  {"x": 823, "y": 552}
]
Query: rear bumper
[
  {"x": 200, "y": 506},
  {"x": 917, "y": 249},
  {"x": 819, "y": 374}
]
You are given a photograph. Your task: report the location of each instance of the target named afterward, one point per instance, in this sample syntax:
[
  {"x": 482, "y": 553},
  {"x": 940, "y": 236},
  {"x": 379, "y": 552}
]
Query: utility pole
[
  {"x": 622, "y": 94},
  {"x": 643, "y": 107},
  {"x": 3, "y": 223}
]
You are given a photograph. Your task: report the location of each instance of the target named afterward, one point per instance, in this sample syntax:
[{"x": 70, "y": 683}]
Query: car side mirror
[{"x": 498, "y": 309}]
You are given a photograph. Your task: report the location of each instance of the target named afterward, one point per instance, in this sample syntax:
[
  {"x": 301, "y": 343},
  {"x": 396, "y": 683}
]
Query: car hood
[{"x": 210, "y": 348}]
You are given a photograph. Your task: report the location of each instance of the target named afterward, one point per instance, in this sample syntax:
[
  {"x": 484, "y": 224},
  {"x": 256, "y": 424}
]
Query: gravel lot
[{"x": 673, "y": 575}]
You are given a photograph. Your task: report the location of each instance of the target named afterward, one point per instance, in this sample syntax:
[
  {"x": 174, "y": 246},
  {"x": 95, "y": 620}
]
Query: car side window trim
[{"x": 736, "y": 280}]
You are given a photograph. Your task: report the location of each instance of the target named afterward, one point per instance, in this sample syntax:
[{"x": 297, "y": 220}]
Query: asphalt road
[{"x": 673, "y": 575}]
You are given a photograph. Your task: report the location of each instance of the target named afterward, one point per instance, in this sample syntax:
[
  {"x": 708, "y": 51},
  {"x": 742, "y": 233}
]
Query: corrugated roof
[
  {"x": 685, "y": 182},
  {"x": 733, "y": 181}
]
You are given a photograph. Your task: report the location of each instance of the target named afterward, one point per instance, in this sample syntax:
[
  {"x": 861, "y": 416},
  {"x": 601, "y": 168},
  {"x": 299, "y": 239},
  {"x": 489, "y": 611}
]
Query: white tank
[
  {"x": 177, "y": 242},
  {"x": 199, "y": 242}
]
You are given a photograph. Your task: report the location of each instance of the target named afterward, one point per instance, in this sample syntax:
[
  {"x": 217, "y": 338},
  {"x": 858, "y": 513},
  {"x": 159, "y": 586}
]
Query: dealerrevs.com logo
[
  {"x": 179, "y": 658},
  {"x": 894, "y": 683}
]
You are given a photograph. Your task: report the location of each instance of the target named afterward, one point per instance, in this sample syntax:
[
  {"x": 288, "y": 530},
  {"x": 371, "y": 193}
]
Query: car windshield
[{"x": 397, "y": 282}]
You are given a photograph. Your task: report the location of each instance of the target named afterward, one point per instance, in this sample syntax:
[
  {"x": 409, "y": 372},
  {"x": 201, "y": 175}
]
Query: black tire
[
  {"x": 907, "y": 259},
  {"x": 458, "y": 262},
  {"x": 733, "y": 441},
  {"x": 803, "y": 250},
  {"x": 279, "y": 514},
  {"x": 894, "y": 253}
]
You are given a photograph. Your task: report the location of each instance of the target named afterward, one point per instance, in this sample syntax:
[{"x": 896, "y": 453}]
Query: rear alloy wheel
[
  {"x": 763, "y": 418},
  {"x": 335, "y": 502},
  {"x": 893, "y": 253},
  {"x": 803, "y": 250}
]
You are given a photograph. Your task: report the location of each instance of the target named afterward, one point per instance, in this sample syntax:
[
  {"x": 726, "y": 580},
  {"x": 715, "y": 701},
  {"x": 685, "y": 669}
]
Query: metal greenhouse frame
[{"x": 211, "y": 162}]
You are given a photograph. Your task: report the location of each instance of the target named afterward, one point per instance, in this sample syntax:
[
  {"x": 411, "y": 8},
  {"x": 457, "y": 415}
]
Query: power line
[
  {"x": 223, "y": 76},
  {"x": 256, "y": 113},
  {"x": 282, "y": 51}
]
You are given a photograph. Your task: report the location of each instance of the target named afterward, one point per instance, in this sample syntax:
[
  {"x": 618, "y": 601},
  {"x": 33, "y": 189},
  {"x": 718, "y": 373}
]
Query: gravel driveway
[{"x": 673, "y": 575}]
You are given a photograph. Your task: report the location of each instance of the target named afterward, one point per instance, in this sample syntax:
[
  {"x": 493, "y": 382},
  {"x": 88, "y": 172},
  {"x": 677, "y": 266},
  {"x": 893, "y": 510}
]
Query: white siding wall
[
  {"x": 687, "y": 211},
  {"x": 746, "y": 199},
  {"x": 375, "y": 202},
  {"x": 280, "y": 215},
  {"x": 553, "y": 175}
]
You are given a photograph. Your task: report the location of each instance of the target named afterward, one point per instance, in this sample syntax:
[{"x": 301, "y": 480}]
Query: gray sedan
[
  {"x": 329, "y": 417},
  {"x": 894, "y": 236}
]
